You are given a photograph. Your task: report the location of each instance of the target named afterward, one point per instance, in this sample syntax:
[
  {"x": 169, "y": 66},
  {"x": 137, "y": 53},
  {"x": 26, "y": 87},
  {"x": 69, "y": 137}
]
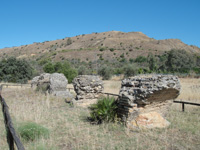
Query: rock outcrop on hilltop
[
  {"x": 144, "y": 101},
  {"x": 55, "y": 84},
  {"x": 87, "y": 86}
]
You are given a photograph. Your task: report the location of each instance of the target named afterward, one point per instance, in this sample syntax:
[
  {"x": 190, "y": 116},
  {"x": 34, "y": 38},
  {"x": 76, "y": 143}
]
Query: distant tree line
[{"x": 177, "y": 62}]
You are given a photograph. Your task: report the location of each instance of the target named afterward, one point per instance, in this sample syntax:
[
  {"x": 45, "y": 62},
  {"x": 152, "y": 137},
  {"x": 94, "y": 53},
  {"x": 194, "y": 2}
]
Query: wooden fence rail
[
  {"x": 108, "y": 94},
  {"x": 183, "y": 104},
  {"x": 12, "y": 136}
]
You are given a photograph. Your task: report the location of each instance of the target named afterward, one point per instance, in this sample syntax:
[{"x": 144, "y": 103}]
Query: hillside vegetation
[{"x": 179, "y": 62}]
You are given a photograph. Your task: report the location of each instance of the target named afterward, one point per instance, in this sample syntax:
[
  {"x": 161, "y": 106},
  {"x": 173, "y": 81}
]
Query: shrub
[
  {"x": 130, "y": 70},
  {"x": 69, "y": 41},
  {"x": 140, "y": 59},
  {"x": 104, "y": 110},
  {"x": 105, "y": 72},
  {"x": 102, "y": 49},
  {"x": 82, "y": 70},
  {"x": 112, "y": 49},
  {"x": 30, "y": 131}
]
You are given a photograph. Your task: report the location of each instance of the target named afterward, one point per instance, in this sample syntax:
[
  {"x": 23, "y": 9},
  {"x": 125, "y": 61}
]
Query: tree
[
  {"x": 180, "y": 61},
  {"x": 49, "y": 68},
  {"x": 65, "y": 68},
  {"x": 15, "y": 70},
  {"x": 152, "y": 62}
]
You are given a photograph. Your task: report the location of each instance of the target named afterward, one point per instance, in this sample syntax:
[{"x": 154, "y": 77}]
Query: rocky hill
[{"x": 105, "y": 45}]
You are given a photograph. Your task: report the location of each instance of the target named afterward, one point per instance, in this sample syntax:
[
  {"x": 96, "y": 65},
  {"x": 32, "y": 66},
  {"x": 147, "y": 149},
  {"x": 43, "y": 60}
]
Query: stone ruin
[
  {"x": 87, "y": 86},
  {"x": 54, "y": 84},
  {"x": 144, "y": 101}
]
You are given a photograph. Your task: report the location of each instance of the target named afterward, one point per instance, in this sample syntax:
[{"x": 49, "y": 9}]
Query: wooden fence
[
  {"x": 12, "y": 136},
  {"x": 111, "y": 94},
  {"x": 188, "y": 103}
]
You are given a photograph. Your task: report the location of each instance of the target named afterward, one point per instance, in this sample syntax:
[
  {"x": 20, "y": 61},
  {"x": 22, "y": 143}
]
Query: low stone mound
[
  {"x": 87, "y": 86},
  {"x": 55, "y": 84},
  {"x": 139, "y": 95}
]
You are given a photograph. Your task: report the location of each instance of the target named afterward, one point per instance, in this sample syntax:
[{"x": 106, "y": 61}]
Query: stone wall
[
  {"x": 87, "y": 86},
  {"x": 141, "y": 95}
]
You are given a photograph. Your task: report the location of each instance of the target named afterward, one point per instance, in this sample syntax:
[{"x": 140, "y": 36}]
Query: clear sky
[{"x": 26, "y": 21}]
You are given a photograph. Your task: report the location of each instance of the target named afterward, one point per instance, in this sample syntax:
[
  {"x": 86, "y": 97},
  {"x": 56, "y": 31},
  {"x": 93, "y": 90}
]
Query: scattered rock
[
  {"x": 87, "y": 86},
  {"x": 143, "y": 95},
  {"x": 149, "y": 120}
]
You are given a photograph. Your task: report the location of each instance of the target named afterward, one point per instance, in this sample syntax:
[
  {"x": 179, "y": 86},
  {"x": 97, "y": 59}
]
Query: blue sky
[{"x": 26, "y": 21}]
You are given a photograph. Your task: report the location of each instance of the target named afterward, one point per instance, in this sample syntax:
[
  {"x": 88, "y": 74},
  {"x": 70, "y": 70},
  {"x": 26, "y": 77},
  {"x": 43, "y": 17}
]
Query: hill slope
[{"x": 106, "y": 45}]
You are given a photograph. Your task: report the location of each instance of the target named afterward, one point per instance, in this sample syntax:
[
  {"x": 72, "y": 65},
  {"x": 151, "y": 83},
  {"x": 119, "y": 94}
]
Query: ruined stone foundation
[{"x": 145, "y": 100}]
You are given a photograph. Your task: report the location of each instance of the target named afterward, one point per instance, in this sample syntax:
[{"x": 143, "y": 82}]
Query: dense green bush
[
  {"x": 30, "y": 131},
  {"x": 65, "y": 68},
  {"x": 105, "y": 110},
  {"x": 15, "y": 70},
  {"x": 49, "y": 67}
]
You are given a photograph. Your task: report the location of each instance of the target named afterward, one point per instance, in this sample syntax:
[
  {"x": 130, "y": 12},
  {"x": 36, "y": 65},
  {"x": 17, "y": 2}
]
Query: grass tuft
[{"x": 30, "y": 131}]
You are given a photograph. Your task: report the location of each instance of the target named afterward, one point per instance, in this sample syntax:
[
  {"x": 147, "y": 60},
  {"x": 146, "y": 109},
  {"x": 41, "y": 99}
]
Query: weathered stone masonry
[{"x": 142, "y": 94}]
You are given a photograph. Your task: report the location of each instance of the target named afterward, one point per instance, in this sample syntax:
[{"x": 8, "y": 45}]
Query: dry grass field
[{"x": 69, "y": 129}]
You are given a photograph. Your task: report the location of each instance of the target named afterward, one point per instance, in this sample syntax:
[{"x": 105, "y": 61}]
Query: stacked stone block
[{"x": 87, "y": 86}]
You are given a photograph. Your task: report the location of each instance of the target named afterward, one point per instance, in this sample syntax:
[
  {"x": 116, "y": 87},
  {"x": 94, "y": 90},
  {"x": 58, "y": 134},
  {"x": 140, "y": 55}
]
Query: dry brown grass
[{"x": 70, "y": 129}]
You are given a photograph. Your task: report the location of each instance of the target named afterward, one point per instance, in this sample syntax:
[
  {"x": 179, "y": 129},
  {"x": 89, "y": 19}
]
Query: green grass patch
[{"x": 30, "y": 131}]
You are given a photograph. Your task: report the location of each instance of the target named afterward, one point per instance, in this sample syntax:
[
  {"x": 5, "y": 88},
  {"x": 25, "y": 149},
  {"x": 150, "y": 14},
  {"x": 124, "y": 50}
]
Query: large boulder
[
  {"x": 87, "y": 86},
  {"x": 147, "y": 94},
  {"x": 58, "y": 82},
  {"x": 54, "y": 84}
]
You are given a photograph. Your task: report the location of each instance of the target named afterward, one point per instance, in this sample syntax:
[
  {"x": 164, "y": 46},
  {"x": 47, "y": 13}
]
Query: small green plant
[
  {"x": 105, "y": 110},
  {"x": 30, "y": 131},
  {"x": 101, "y": 49},
  {"x": 112, "y": 49}
]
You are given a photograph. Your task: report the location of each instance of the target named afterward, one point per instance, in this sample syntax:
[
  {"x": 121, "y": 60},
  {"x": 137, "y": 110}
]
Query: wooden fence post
[
  {"x": 183, "y": 107},
  {"x": 11, "y": 134}
]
